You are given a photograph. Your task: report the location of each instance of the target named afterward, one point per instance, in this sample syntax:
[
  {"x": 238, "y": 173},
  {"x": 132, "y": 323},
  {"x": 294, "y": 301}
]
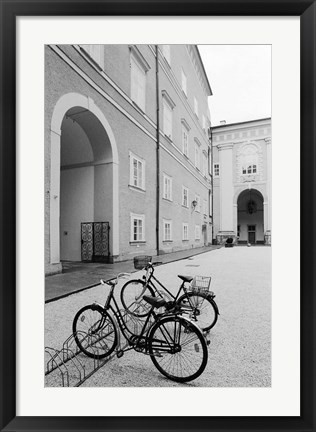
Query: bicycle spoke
[{"x": 187, "y": 356}]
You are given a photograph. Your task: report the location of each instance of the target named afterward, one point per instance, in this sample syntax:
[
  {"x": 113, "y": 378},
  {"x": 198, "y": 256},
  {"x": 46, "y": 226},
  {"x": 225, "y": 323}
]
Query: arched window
[{"x": 249, "y": 161}]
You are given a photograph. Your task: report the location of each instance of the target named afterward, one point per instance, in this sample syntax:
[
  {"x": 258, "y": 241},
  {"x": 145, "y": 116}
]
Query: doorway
[
  {"x": 250, "y": 217},
  {"x": 86, "y": 181},
  {"x": 252, "y": 234}
]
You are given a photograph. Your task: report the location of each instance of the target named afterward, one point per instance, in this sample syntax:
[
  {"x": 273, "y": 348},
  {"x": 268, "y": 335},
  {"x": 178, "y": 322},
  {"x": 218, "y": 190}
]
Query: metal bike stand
[{"x": 69, "y": 367}]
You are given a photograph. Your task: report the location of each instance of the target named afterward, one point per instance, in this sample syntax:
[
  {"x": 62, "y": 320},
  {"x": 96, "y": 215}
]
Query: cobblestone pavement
[{"x": 240, "y": 349}]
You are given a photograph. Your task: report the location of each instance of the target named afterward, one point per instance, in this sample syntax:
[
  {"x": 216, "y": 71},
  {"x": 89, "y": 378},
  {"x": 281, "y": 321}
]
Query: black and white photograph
[{"x": 158, "y": 215}]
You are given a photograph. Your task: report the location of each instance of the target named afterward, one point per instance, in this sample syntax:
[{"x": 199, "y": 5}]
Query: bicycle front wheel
[
  {"x": 201, "y": 309},
  {"x": 94, "y": 332},
  {"x": 177, "y": 348},
  {"x": 132, "y": 297}
]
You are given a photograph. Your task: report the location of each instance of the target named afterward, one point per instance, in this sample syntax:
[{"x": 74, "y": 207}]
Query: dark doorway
[{"x": 252, "y": 234}]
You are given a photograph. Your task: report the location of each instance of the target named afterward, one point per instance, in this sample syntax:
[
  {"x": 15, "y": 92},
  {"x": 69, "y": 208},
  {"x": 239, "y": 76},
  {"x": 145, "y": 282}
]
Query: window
[
  {"x": 167, "y": 187},
  {"x": 197, "y": 232},
  {"x": 197, "y": 155},
  {"x": 167, "y": 107},
  {"x": 185, "y": 197},
  {"x": 185, "y": 137},
  {"x": 183, "y": 82},
  {"x": 249, "y": 160},
  {"x": 238, "y": 230},
  {"x": 196, "y": 107},
  {"x": 166, "y": 52},
  {"x": 250, "y": 169},
  {"x": 138, "y": 84},
  {"x": 137, "y": 171},
  {"x": 204, "y": 164},
  {"x": 198, "y": 203},
  {"x": 205, "y": 207},
  {"x": 185, "y": 231},
  {"x": 209, "y": 161},
  {"x": 96, "y": 53},
  {"x": 185, "y": 141},
  {"x": 204, "y": 122},
  {"x": 216, "y": 170},
  {"x": 167, "y": 230},
  {"x": 139, "y": 67},
  {"x": 137, "y": 227}
]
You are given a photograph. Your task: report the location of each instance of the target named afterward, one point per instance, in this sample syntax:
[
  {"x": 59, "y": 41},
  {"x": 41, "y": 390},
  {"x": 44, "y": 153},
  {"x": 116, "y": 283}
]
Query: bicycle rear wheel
[
  {"x": 94, "y": 332},
  {"x": 201, "y": 309},
  {"x": 132, "y": 297},
  {"x": 177, "y": 348}
]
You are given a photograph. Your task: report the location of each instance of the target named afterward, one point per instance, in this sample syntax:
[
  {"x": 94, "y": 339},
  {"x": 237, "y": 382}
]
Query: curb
[{"x": 96, "y": 284}]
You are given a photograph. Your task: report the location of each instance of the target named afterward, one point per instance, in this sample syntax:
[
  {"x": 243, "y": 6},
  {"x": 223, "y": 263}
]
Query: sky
[{"x": 240, "y": 79}]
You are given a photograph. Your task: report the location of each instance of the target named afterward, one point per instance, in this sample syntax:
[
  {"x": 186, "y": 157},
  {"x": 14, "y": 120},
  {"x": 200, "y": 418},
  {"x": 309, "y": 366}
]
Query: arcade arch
[
  {"x": 250, "y": 217},
  {"x": 84, "y": 175}
]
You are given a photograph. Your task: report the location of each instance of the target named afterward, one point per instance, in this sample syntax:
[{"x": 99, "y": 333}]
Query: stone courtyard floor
[{"x": 240, "y": 348}]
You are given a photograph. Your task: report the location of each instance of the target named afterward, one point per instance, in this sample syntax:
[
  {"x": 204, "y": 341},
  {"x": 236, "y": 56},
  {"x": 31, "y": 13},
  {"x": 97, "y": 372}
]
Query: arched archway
[
  {"x": 84, "y": 175},
  {"x": 250, "y": 217}
]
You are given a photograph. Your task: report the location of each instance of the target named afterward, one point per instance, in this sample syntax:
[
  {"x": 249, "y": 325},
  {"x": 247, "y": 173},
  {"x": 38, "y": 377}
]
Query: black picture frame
[{"x": 9, "y": 11}]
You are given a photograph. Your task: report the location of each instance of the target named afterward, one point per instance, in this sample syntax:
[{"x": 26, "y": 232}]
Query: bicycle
[
  {"x": 196, "y": 300},
  {"x": 176, "y": 345}
]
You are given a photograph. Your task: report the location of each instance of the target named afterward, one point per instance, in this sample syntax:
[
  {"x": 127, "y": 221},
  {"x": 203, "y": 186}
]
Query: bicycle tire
[
  {"x": 129, "y": 297},
  {"x": 204, "y": 313},
  {"x": 94, "y": 342},
  {"x": 180, "y": 334}
]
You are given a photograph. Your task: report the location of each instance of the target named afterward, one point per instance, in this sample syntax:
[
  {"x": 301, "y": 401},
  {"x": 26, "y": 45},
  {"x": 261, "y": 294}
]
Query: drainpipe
[
  {"x": 212, "y": 194},
  {"x": 157, "y": 153}
]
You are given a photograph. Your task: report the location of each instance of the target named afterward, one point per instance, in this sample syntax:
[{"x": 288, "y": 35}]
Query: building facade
[
  {"x": 242, "y": 182},
  {"x": 127, "y": 153}
]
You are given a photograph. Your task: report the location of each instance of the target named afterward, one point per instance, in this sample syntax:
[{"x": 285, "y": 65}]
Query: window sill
[
  {"x": 137, "y": 242},
  {"x": 167, "y": 199},
  {"x": 167, "y": 241},
  {"x": 185, "y": 240},
  {"x": 136, "y": 188},
  {"x": 184, "y": 206}
]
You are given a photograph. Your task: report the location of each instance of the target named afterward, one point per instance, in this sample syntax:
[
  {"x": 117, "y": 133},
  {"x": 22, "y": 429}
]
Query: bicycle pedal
[{"x": 120, "y": 354}]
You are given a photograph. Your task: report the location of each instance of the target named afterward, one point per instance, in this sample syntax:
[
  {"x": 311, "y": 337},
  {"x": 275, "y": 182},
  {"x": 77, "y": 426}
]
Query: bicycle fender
[
  {"x": 215, "y": 305},
  {"x": 96, "y": 306}
]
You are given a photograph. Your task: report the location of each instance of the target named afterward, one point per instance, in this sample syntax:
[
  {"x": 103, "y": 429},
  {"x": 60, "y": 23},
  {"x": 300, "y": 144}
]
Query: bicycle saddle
[
  {"x": 156, "y": 302},
  {"x": 185, "y": 278}
]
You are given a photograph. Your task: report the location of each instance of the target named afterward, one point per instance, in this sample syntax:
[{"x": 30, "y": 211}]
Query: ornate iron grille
[{"x": 95, "y": 241}]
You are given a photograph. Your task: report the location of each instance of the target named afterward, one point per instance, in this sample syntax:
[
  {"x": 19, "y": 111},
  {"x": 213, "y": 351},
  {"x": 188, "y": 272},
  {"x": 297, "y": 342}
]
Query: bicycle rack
[{"x": 69, "y": 367}]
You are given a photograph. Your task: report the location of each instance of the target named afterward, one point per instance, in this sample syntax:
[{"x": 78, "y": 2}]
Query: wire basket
[
  {"x": 141, "y": 261},
  {"x": 200, "y": 284}
]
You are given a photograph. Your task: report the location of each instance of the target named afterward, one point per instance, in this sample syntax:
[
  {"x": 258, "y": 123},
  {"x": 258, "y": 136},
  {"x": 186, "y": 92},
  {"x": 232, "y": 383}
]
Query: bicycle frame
[
  {"x": 148, "y": 281},
  {"x": 127, "y": 333}
]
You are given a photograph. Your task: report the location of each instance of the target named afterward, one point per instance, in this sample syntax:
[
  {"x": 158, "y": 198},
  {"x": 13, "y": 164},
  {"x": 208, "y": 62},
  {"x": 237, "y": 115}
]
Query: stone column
[
  {"x": 226, "y": 192},
  {"x": 54, "y": 198}
]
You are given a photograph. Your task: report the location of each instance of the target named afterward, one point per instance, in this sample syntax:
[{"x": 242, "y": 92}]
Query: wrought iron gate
[{"x": 95, "y": 245}]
